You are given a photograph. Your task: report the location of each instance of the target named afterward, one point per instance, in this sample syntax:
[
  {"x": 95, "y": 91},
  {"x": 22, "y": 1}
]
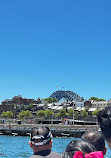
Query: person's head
[
  {"x": 40, "y": 139},
  {"x": 77, "y": 145},
  {"x": 95, "y": 138},
  {"x": 104, "y": 119}
]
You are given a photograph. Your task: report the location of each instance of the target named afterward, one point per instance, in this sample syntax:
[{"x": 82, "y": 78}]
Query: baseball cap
[{"x": 42, "y": 134}]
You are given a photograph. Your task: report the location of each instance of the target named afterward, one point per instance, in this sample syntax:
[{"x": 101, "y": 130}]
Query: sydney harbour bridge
[{"x": 68, "y": 95}]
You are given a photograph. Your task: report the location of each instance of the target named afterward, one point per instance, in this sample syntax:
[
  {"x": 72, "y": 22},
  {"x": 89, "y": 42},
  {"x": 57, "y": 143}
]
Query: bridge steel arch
[{"x": 68, "y": 95}]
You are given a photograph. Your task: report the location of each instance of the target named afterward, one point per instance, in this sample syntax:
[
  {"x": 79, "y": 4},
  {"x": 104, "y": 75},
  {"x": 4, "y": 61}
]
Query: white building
[
  {"x": 99, "y": 104},
  {"x": 79, "y": 104}
]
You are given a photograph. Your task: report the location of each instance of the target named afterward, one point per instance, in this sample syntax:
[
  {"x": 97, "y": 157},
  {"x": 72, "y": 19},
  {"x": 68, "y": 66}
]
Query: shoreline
[{"x": 57, "y": 130}]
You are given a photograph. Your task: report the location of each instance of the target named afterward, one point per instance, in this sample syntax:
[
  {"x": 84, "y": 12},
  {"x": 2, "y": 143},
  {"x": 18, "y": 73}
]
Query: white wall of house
[
  {"x": 79, "y": 104},
  {"x": 99, "y": 104}
]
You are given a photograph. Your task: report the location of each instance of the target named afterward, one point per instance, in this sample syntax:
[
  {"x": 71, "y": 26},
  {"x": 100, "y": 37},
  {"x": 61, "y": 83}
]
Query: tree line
[{"x": 49, "y": 114}]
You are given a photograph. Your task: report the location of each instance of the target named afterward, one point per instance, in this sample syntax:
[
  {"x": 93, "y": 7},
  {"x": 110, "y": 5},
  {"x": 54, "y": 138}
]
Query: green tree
[
  {"x": 62, "y": 113},
  {"x": 40, "y": 113},
  {"x": 48, "y": 113},
  {"x": 28, "y": 113},
  {"x": 96, "y": 99},
  {"x": 50, "y": 100},
  {"x": 101, "y": 99},
  {"x": 54, "y": 100},
  {"x": 95, "y": 112},
  {"x": 84, "y": 113},
  {"x": 76, "y": 113},
  {"x": 4, "y": 115},
  {"x": 70, "y": 112},
  {"x": 21, "y": 114},
  {"x": 24, "y": 114},
  {"x": 7, "y": 114}
]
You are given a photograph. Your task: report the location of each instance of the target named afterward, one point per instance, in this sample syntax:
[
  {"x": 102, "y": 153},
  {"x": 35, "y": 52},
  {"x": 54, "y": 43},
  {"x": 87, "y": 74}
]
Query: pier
[{"x": 57, "y": 130}]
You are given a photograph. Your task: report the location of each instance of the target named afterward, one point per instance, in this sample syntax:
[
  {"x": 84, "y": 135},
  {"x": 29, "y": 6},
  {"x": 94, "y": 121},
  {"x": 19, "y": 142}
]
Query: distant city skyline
[
  {"x": 48, "y": 45},
  {"x": 61, "y": 100}
]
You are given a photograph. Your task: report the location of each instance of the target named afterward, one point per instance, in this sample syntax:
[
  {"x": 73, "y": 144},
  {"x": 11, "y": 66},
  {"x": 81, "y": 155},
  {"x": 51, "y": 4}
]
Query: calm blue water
[{"x": 17, "y": 147}]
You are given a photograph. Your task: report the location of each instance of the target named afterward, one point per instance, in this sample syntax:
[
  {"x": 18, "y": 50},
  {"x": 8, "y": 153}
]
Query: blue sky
[{"x": 49, "y": 43}]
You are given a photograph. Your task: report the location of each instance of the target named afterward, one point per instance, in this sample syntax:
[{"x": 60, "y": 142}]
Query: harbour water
[{"x": 18, "y": 147}]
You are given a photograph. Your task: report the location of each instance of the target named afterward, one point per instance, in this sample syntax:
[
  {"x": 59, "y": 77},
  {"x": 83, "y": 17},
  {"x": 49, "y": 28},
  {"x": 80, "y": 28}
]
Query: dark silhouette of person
[
  {"x": 41, "y": 143},
  {"x": 95, "y": 138},
  {"x": 104, "y": 119}
]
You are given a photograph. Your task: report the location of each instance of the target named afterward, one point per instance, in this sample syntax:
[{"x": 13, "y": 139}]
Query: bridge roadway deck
[{"x": 57, "y": 130}]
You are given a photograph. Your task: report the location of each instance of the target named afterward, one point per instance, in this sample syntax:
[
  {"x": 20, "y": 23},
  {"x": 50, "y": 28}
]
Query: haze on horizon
[{"x": 45, "y": 44}]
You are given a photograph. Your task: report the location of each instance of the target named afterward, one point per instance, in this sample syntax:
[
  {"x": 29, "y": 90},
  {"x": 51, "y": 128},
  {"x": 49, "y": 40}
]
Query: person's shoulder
[
  {"x": 33, "y": 156},
  {"x": 36, "y": 156},
  {"x": 54, "y": 154}
]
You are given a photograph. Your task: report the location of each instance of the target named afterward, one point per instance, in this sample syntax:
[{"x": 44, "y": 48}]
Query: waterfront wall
[{"x": 57, "y": 130}]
